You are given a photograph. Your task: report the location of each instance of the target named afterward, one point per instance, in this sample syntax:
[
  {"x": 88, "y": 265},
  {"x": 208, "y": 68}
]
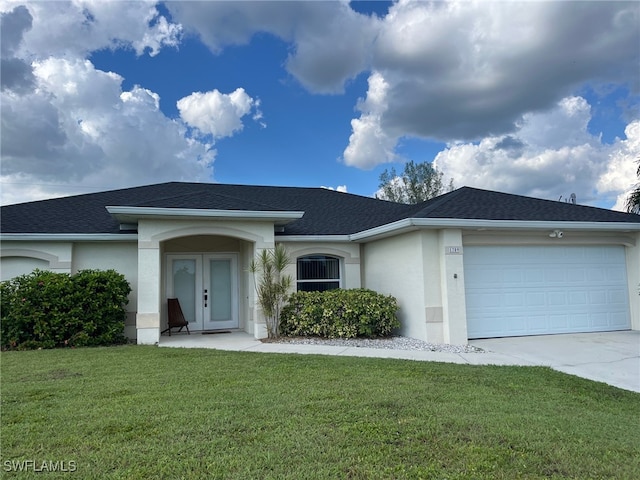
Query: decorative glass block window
[{"x": 318, "y": 273}]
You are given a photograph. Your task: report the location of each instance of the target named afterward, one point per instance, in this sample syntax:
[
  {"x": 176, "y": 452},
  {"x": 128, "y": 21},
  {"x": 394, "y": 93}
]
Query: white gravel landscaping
[{"x": 391, "y": 343}]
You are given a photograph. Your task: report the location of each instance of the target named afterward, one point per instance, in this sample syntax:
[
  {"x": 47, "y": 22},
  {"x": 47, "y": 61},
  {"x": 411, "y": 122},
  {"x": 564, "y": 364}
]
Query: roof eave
[
  {"x": 410, "y": 224},
  {"x": 313, "y": 238},
  {"x": 131, "y": 215},
  {"x": 69, "y": 237}
]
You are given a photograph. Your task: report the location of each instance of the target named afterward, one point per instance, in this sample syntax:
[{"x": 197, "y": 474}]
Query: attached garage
[{"x": 539, "y": 290}]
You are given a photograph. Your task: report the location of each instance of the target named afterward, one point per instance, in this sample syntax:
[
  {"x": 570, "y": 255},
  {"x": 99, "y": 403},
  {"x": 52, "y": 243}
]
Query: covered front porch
[
  {"x": 208, "y": 274},
  {"x": 205, "y": 264}
]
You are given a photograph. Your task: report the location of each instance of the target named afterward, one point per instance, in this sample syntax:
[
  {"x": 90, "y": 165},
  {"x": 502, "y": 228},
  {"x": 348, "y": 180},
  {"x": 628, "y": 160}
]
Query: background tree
[
  {"x": 418, "y": 182},
  {"x": 633, "y": 202}
]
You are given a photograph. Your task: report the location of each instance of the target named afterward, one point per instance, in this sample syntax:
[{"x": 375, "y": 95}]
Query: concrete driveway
[{"x": 609, "y": 357}]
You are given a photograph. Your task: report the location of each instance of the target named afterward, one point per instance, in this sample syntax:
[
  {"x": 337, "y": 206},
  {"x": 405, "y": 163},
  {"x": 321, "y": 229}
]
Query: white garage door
[{"x": 525, "y": 290}]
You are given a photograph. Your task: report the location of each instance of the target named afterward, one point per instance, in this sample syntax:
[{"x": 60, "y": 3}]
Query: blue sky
[{"x": 534, "y": 98}]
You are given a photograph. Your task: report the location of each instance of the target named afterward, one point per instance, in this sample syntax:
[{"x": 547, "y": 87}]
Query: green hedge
[
  {"x": 48, "y": 310},
  {"x": 339, "y": 314}
]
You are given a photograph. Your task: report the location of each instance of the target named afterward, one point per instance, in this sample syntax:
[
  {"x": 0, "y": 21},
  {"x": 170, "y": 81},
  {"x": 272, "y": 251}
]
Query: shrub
[
  {"x": 272, "y": 286},
  {"x": 48, "y": 310},
  {"x": 339, "y": 314}
]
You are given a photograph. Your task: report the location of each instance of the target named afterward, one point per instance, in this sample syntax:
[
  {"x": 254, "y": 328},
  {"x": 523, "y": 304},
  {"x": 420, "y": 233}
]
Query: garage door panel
[
  {"x": 488, "y": 276},
  {"x": 555, "y": 276},
  {"x": 579, "y": 321},
  {"x": 487, "y": 300},
  {"x": 594, "y": 274},
  {"x": 576, "y": 275},
  {"x": 535, "y": 299},
  {"x": 514, "y": 300},
  {"x": 559, "y": 322},
  {"x": 512, "y": 275},
  {"x": 599, "y": 297},
  {"x": 537, "y": 323},
  {"x": 599, "y": 321},
  {"x": 619, "y": 320},
  {"x": 578, "y": 299},
  {"x": 616, "y": 274},
  {"x": 557, "y": 299},
  {"x": 618, "y": 297},
  {"x": 540, "y": 290},
  {"x": 534, "y": 276}
]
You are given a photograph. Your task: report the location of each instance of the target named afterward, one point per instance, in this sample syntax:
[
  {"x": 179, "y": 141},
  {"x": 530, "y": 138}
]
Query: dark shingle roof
[
  {"x": 326, "y": 212},
  {"x": 474, "y": 203}
]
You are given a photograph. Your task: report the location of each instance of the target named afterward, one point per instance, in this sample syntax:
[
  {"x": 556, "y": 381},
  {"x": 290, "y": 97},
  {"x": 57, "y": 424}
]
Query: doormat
[{"x": 213, "y": 332}]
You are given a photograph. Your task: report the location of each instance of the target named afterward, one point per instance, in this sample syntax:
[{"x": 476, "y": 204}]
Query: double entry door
[{"x": 207, "y": 287}]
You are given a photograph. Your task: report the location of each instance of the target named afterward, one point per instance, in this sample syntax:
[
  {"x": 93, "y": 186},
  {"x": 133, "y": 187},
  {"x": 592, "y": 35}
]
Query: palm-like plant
[
  {"x": 633, "y": 202},
  {"x": 272, "y": 287}
]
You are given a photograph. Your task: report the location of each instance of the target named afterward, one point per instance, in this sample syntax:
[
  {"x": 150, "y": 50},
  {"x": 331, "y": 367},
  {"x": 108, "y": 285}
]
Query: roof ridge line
[
  {"x": 435, "y": 202},
  {"x": 193, "y": 194}
]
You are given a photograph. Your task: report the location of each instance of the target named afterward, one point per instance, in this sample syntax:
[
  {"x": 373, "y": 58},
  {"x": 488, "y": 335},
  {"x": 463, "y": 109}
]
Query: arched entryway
[
  {"x": 206, "y": 273},
  {"x": 206, "y": 265}
]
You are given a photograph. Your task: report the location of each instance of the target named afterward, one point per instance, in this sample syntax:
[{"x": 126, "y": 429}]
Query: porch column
[
  {"x": 454, "y": 308},
  {"x": 148, "y": 316}
]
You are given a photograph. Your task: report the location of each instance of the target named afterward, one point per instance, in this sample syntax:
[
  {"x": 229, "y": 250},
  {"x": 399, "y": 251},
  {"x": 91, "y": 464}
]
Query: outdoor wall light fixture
[{"x": 556, "y": 234}]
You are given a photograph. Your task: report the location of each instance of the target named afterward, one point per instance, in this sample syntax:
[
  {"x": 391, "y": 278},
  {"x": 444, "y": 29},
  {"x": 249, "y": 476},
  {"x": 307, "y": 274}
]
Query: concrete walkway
[{"x": 611, "y": 357}]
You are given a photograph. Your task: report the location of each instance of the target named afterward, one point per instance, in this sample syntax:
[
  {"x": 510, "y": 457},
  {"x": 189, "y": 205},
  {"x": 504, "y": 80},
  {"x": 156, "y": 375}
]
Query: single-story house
[{"x": 467, "y": 264}]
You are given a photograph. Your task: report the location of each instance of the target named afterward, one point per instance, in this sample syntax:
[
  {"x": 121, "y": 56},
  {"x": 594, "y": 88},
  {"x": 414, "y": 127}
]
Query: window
[{"x": 317, "y": 273}]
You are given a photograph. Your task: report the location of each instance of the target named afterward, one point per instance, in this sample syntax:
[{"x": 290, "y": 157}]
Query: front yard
[{"x": 143, "y": 412}]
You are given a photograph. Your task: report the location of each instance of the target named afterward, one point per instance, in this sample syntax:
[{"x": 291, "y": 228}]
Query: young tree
[
  {"x": 418, "y": 182},
  {"x": 633, "y": 202},
  {"x": 272, "y": 286}
]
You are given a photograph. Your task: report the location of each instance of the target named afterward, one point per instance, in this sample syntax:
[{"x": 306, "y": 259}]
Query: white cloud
[
  {"x": 456, "y": 71},
  {"x": 339, "y": 188},
  {"x": 78, "y": 27},
  {"x": 551, "y": 154},
  {"x": 466, "y": 70},
  {"x": 369, "y": 144},
  {"x": 331, "y": 43},
  {"x": 499, "y": 74},
  {"x": 620, "y": 176},
  {"x": 216, "y": 113},
  {"x": 15, "y": 73},
  {"x": 69, "y": 128},
  {"x": 330, "y": 51},
  {"x": 78, "y": 128}
]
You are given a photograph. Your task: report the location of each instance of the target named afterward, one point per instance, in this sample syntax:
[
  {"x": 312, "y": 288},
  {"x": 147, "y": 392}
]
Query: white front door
[{"x": 207, "y": 287}]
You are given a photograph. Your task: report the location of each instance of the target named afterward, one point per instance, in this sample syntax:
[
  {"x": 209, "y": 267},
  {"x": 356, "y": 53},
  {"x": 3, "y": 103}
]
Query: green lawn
[{"x": 146, "y": 412}]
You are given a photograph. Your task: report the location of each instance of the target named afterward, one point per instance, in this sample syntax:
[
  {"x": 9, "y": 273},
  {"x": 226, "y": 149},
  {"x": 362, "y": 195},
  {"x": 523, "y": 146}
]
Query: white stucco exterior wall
[
  {"x": 633, "y": 274},
  {"x": 432, "y": 285},
  {"x": 394, "y": 266},
  {"x": 454, "y": 310},
  {"x": 22, "y": 257}
]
